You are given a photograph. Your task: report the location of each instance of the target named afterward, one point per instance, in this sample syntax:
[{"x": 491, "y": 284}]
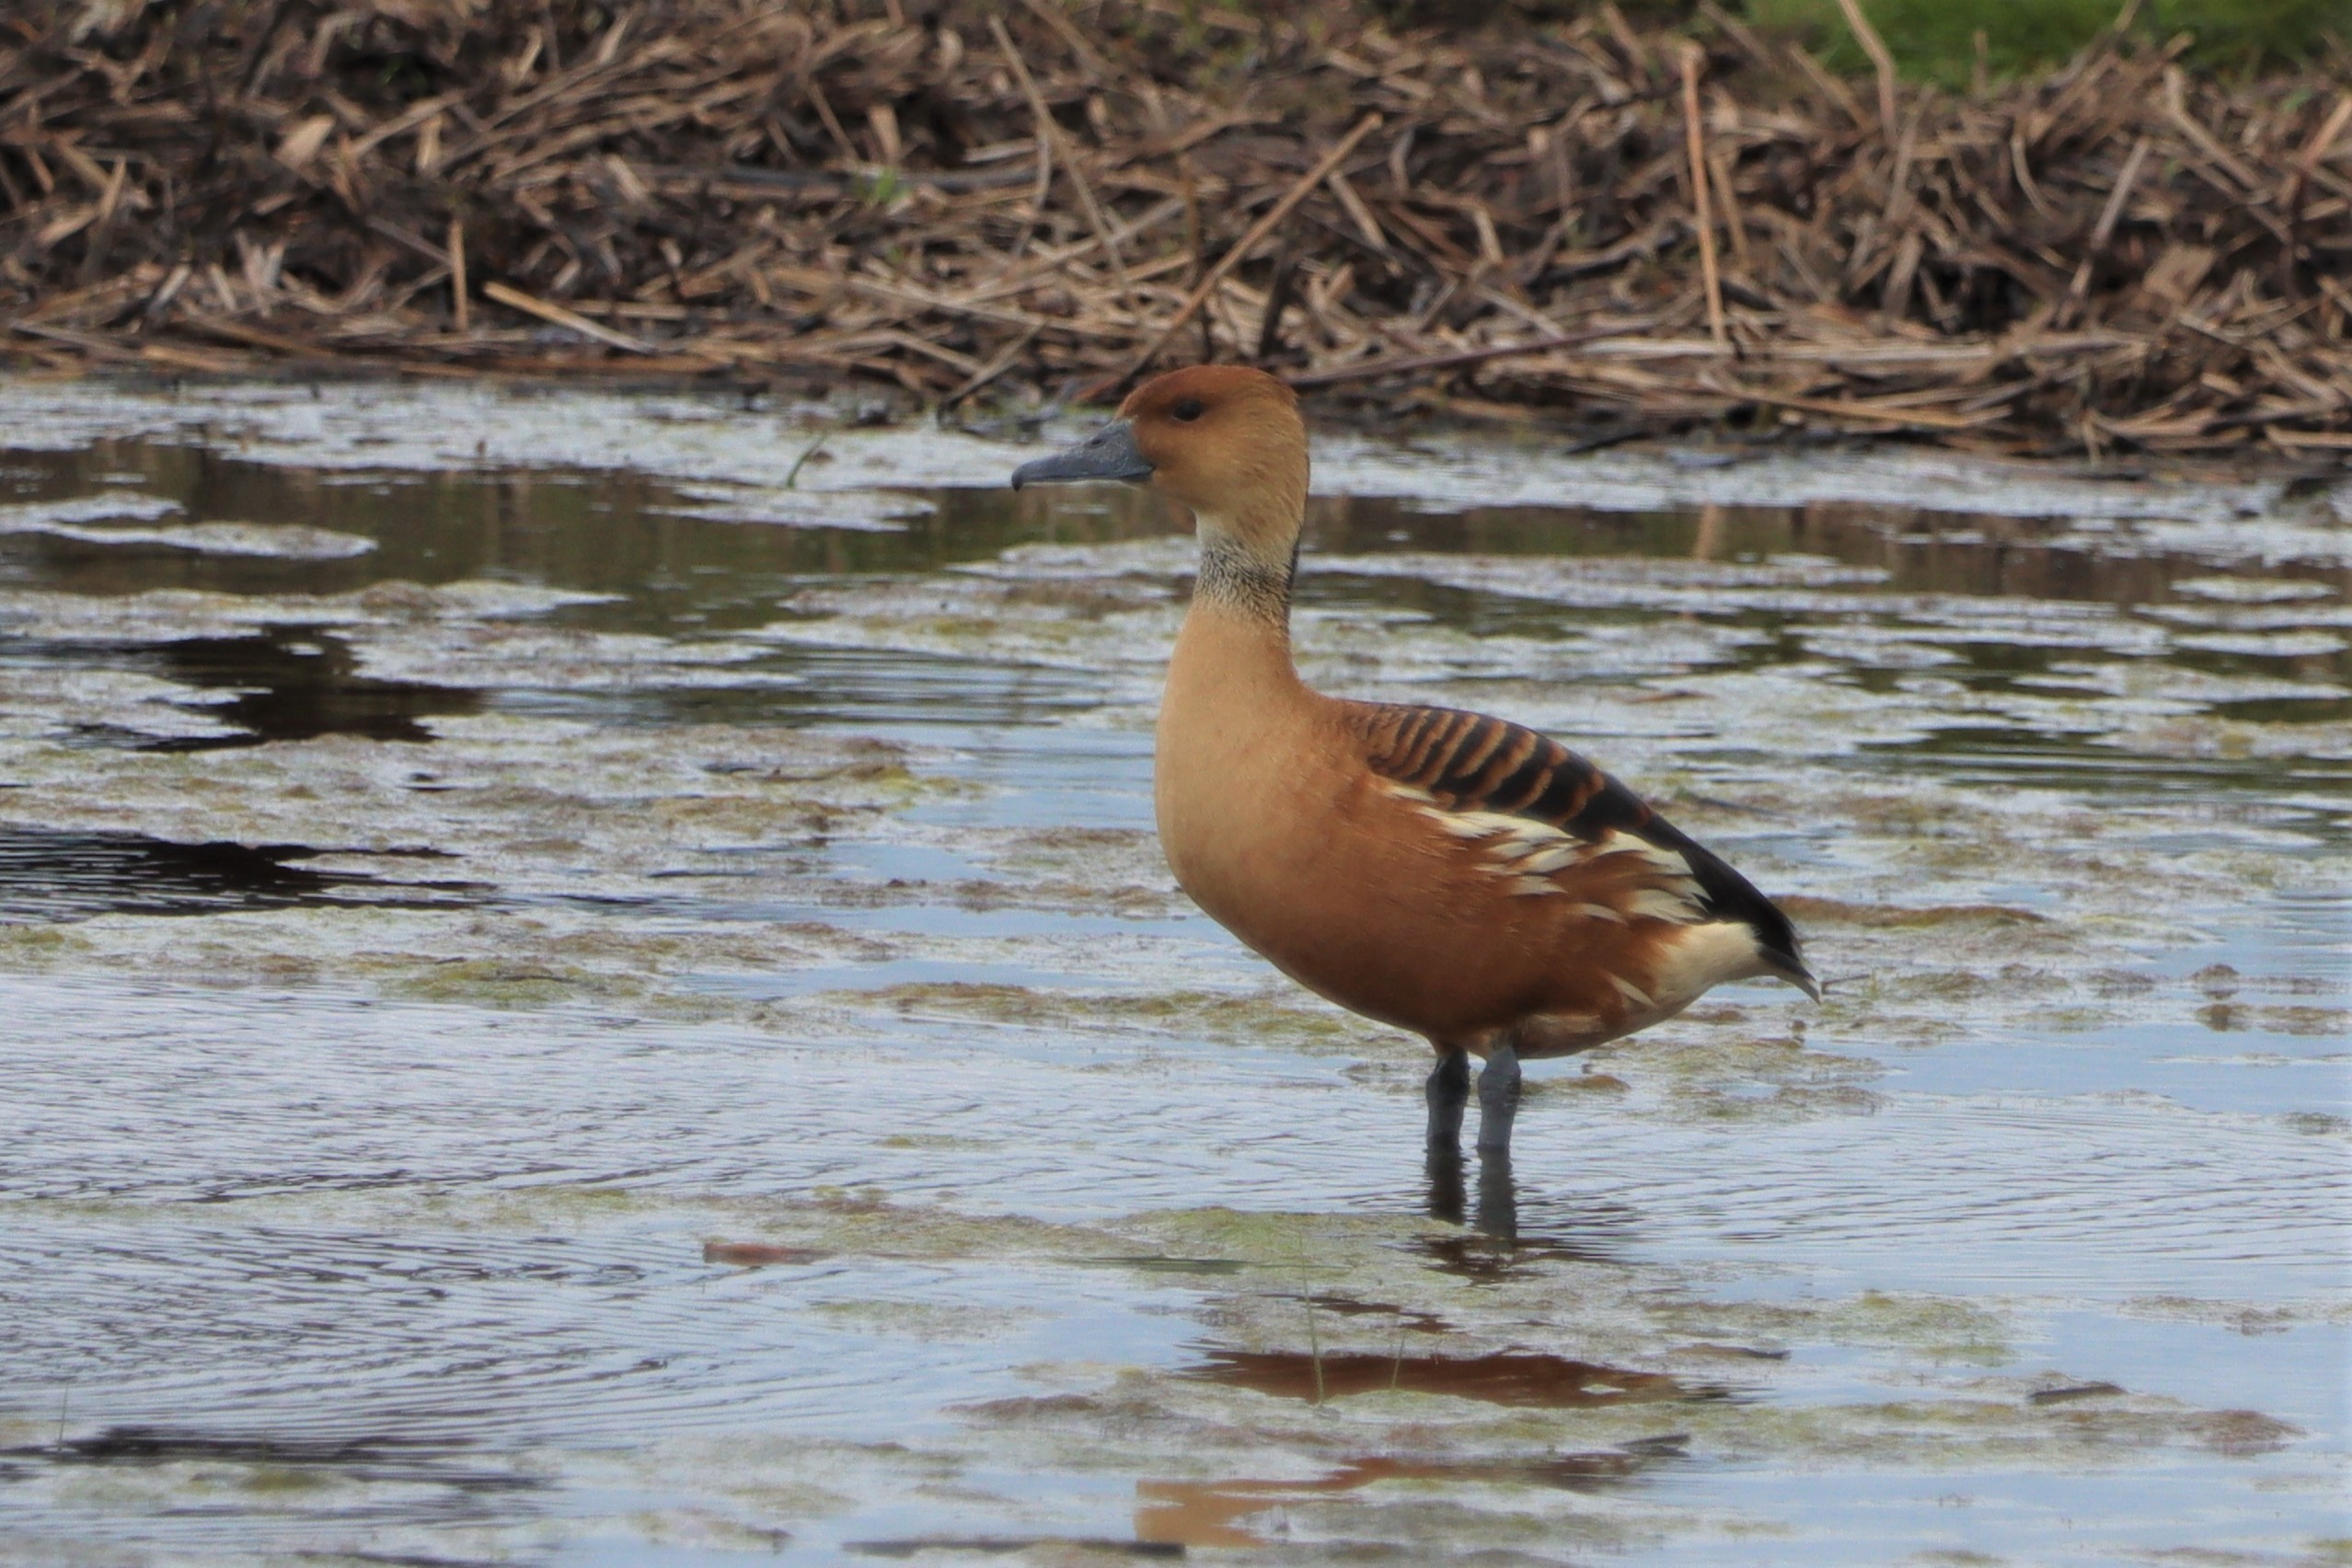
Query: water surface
[{"x": 578, "y": 992}]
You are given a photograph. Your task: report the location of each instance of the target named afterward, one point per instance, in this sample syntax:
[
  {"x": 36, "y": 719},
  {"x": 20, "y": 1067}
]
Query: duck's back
[{"x": 1472, "y": 767}]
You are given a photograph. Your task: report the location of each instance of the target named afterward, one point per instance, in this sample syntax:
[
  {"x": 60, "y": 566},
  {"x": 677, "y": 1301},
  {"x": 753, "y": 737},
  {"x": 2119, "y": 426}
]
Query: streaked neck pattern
[{"x": 1238, "y": 578}]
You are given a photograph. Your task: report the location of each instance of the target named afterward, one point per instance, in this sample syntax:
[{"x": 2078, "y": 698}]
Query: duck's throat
[{"x": 1244, "y": 581}]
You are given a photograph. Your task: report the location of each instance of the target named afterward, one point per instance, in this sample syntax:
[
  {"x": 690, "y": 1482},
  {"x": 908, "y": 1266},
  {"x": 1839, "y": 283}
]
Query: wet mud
[{"x": 587, "y": 979}]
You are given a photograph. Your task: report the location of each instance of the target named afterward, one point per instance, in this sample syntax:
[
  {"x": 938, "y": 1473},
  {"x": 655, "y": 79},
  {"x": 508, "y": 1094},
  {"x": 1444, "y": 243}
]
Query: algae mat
[{"x": 586, "y": 981}]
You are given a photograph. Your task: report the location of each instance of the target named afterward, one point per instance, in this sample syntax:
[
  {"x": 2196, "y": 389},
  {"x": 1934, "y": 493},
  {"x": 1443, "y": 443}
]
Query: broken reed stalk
[
  {"x": 562, "y": 318},
  {"x": 460, "y": 308},
  {"x": 988, "y": 372},
  {"x": 2102, "y": 231},
  {"x": 2324, "y": 137},
  {"x": 1701, "y": 212},
  {"x": 1882, "y": 62}
]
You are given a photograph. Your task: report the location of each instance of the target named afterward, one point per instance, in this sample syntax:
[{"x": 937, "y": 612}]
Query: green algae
[
  {"x": 928, "y": 1320},
  {"x": 496, "y": 983},
  {"x": 43, "y": 945},
  {"x": 1940, "y": 1329},
  {"x": 1880, "y": 917},
  {"x": 1286, "y": 1018},
  {"x": 280, "y": 1477}
]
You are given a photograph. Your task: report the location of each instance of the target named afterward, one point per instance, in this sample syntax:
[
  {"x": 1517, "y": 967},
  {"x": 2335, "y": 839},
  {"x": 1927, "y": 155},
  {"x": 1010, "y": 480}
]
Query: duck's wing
[{"x": 1542, "y": 810}]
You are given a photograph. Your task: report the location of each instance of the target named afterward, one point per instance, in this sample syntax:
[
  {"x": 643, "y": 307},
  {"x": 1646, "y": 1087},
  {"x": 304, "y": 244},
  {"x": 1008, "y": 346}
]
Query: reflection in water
[
  {"x": 1407, "y": 1319},
  {"x": 1498, "y": 1196},
  {"x": 1208, "y": 1514},
  {"x": 639, "y": 539},
  {"x": 436, "y": 1483},
  {"x": 1507, "y": 1378},
  {"x": 294, "y": 684},
  {"x": 49, "y": 875},
  {"x": 377, "y": 1458},
  {"x": 1498, "y": 1191},
  {"x": 1087, "y": 1547},
  {"x": 287, "y": 683},
  {"x": 1493, "y": 1247},
  {"x": 757, "y": 1254}
]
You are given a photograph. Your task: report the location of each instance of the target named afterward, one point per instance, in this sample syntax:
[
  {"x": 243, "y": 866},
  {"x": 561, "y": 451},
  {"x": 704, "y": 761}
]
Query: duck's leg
[
  {"x": 1447, "y": 1091},
  {"x": 1498, "y": 1097}
]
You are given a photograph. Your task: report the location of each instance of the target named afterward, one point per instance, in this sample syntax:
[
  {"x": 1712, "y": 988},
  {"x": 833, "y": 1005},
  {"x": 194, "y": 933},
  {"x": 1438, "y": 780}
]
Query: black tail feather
[{"x": 1724, "y": 892}]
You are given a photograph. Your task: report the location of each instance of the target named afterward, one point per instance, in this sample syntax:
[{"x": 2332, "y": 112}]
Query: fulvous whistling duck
[{"x": 1450, "y": 873}]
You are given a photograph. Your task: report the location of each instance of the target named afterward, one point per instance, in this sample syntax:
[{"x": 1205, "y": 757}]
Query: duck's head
[{"x": 1224, "y": 440}]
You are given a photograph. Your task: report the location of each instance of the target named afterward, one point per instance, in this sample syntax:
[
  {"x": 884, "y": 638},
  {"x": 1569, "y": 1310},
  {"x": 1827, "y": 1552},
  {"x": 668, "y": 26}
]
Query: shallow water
[{"x": 587, "y": 982}]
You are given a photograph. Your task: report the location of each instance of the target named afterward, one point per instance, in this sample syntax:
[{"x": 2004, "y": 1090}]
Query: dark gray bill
[{"x": 1109, "y": 454}]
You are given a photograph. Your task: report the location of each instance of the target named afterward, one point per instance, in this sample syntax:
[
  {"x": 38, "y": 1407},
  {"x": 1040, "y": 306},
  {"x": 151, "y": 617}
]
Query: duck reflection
[
  {"x": 1215, "y": 1512},
  {"x": 1498, "y": 1192},
  {"x": 1533, "y": 1379},
  {"x": 1212, "y": 1514},
  {"x": 1505, "y": 1230}
]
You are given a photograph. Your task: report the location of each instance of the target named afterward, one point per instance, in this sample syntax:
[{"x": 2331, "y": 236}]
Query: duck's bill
[{"x": 1109, "y": 454}]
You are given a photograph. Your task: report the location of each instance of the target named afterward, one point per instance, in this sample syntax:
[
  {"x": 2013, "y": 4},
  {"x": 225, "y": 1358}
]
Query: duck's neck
[
  {"x": 1236, "y": 642},
  {"x": 1239, "y": 578}
]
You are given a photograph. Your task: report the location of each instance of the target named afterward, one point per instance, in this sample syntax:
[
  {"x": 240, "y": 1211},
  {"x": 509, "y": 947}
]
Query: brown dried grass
[{"x": 1581, "y": 222}]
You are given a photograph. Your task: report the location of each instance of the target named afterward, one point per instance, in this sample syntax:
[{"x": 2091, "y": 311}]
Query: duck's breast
[{"x": 1282, "y": 836}]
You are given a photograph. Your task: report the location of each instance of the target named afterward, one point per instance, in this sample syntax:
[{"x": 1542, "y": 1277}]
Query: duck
[{"x": 1448, "y": 874}]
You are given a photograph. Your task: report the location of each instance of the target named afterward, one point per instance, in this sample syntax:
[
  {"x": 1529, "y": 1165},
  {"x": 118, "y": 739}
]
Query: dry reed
[{"x": 1581, "y": 222}]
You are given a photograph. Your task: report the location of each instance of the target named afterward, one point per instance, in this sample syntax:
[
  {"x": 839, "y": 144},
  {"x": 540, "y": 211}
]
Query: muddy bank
[{"x": 1619, "y": 229}]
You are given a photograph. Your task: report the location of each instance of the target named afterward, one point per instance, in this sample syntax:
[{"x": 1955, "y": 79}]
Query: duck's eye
[{"x": 1186, "y": 410}]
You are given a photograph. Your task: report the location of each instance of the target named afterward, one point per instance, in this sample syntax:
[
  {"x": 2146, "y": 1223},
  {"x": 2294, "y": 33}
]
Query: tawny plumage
[{"x": 1453, "y": 874}]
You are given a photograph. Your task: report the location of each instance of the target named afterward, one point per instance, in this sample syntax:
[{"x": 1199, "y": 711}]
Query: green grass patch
[{"x": 1935, "y": 40}]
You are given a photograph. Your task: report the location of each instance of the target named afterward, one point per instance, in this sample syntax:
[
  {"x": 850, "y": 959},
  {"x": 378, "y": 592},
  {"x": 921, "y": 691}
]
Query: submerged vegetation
[{"x": 1633, "y": 224}]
